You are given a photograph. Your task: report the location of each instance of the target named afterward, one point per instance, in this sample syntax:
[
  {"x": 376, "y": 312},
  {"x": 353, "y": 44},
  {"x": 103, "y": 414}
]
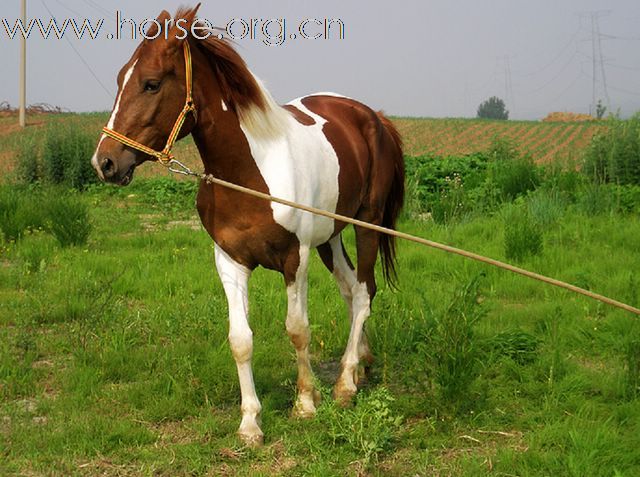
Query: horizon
[{"x": 537, "y": 58}]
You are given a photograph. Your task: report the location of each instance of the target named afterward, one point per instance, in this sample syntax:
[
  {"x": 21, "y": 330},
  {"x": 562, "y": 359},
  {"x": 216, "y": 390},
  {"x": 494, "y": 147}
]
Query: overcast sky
[{"x": 437, "y": 58}]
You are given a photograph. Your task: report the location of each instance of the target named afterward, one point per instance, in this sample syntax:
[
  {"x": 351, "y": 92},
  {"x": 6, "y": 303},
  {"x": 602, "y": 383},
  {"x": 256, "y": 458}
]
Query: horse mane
[{"x": 242, "y": 91}]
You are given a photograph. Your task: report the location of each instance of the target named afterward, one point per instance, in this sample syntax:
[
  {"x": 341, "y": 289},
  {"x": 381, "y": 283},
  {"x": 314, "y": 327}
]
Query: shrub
[
  {"x": 441, "y": 186},
  {"x": 522, "y": 235},
  {"x": 512, "y": 174},
  {"x": 61, "y": 157},
  {"x": 66, "y": 155},
  {"x": 614, "y": 156}
]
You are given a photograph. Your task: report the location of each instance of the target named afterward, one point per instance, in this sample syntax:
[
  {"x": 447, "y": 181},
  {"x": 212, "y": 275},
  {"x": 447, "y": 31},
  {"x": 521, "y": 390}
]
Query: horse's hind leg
[
  {"x": 336, "y": 259},
  {"x": 298, "y": 330},
  {"x": 363, "y": 290}
]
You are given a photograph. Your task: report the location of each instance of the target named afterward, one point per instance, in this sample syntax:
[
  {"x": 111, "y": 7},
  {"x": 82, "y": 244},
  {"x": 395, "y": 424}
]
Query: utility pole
[{"x": 23, "y": 68}]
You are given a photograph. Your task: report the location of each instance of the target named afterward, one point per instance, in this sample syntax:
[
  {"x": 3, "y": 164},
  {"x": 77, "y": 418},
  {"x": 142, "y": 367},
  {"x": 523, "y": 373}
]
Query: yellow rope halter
[{"x": 165, "y": 157}]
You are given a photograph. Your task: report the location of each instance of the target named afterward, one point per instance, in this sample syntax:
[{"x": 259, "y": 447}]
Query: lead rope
[{"x": 179, "y": 168}]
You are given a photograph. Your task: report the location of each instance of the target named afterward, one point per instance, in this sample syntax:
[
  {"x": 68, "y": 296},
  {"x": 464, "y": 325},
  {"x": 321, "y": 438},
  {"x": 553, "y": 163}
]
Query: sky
[{"x": 434, "y": 58}]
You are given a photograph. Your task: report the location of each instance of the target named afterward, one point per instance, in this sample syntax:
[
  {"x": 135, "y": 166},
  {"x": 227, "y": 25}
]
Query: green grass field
[{"x": 114, "y": 358}]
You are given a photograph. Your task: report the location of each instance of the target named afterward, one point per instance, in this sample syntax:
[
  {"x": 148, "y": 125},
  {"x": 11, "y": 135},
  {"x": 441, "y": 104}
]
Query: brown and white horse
[{"x": 323, "y": 150}]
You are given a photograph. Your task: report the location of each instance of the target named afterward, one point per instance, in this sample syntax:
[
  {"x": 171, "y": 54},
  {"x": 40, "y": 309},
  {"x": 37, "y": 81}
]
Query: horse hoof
[
  {"x": 305, "y": 406},
  {"x": 343, "y": 395},
  {"x": 300, "y": 413},
  {"x": 252, "y": 440}
]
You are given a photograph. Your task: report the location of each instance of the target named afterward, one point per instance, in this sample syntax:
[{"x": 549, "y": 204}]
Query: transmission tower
[
  {"x": 508, "y": 84},
  {"x": 598, "y": 73}
]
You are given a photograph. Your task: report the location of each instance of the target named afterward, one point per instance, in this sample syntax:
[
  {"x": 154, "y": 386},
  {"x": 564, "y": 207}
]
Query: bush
[
  {"x": 511, "y": 174},
  {"x": 441, "y": 186},
  {"x": 522, "y": 235},
  {"x": 614, "y": 156},
  {"x": 63, "y": 158}
]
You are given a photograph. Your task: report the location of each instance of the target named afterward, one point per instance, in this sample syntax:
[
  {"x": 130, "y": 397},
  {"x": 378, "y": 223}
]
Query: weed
[
  {"x": 513, "y": 175},
  {"x": 368, "y": 429},
  {"x": 518, "y": 345},
  {"x": 450, "y": 349},
  {"x": 19, "y": 212},
  {"x": 522, "y": 235},
  {"x": 68, "y": 220}
]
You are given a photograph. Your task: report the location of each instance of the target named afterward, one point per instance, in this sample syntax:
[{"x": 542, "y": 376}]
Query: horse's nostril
[{"x": 108, "y": 167}]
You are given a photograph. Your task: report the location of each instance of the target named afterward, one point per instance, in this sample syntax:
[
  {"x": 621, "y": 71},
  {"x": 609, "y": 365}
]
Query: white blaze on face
[{"x": 112, "y": 119}]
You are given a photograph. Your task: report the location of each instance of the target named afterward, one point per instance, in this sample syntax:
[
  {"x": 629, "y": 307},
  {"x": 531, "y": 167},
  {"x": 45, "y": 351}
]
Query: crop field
[
  {"x": 544, "y": 141},
  {"x": 114, "y": 358}
]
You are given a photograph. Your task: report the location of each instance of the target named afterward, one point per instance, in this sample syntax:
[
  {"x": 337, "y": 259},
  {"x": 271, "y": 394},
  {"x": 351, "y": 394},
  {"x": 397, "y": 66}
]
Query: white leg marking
[
  {"x": 346, "y": 278},
  {"x": 346, "y": 385},
  {"x": 235, "y": 279},
  {"x": 112, "y": 119},
  {"x": 298, "y": 330}
]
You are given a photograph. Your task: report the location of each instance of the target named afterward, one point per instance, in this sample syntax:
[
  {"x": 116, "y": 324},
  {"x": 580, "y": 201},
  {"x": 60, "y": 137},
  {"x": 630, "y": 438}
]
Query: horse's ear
[
  {"x": 162, "y": 18},
  {"x": 190, "y": 15}
]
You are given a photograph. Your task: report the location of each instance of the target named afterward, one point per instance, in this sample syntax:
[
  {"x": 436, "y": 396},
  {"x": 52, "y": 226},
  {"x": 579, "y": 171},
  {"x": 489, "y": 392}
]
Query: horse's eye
[{"x": 152, "y": 86}]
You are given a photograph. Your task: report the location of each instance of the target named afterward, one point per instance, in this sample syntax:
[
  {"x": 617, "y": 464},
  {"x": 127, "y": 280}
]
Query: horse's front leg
[{"x": 235, "y": 280}]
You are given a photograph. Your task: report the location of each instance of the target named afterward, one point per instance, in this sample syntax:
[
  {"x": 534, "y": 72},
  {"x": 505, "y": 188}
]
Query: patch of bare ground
[
  {"x": 480, "y": 443},
  {"x": 152, "y": 222},
  {"x": 276, "y": 461}
]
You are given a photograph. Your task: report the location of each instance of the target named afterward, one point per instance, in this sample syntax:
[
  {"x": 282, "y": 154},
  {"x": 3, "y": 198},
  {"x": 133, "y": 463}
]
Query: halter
[{"x": 165, "y": 157}]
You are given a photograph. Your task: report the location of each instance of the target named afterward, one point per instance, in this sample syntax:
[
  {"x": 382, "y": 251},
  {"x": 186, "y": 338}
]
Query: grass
[{"x": 114, "y": 358}]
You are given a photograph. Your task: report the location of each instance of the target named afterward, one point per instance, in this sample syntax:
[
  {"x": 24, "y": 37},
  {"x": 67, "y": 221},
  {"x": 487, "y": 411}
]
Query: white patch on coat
[
  {"x": 224, "y": 105},
  {"x": 112, "y": 119},
  {"x": 299, "y": 165}
]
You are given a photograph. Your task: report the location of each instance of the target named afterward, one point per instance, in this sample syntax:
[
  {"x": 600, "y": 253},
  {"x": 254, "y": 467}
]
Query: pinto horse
[{"x": 322, "y": 150}]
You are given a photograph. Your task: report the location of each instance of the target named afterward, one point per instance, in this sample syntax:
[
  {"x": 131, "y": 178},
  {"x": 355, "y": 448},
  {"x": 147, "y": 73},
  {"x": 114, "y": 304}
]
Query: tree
[{"x": 493, "y": 108}]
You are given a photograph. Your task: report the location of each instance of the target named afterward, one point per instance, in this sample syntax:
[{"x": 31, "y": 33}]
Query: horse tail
[{"x": 393, "y": 203}]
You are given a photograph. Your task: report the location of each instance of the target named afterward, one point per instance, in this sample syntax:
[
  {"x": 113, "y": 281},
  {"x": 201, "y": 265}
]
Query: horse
[{"x": 324, "y": 150}]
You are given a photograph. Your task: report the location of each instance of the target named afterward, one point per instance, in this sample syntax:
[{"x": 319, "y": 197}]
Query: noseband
[{"x": 165, "y": 157}]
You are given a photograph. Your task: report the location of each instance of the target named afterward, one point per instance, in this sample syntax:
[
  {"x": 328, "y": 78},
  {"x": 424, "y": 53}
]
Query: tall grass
[
  {"x": 450, "y": 348},
  {"x": 522, "y": 234},
  {"x": 57, "y": 211}
]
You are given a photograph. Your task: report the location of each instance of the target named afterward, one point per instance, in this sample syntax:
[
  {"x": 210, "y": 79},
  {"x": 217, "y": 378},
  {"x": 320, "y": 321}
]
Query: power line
[
  {"x": 99, "y": 8},
  {"x": 557, "y": 75},
  {"x": 84, "y": 62},
  {"x": 561, "y": 52}
]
